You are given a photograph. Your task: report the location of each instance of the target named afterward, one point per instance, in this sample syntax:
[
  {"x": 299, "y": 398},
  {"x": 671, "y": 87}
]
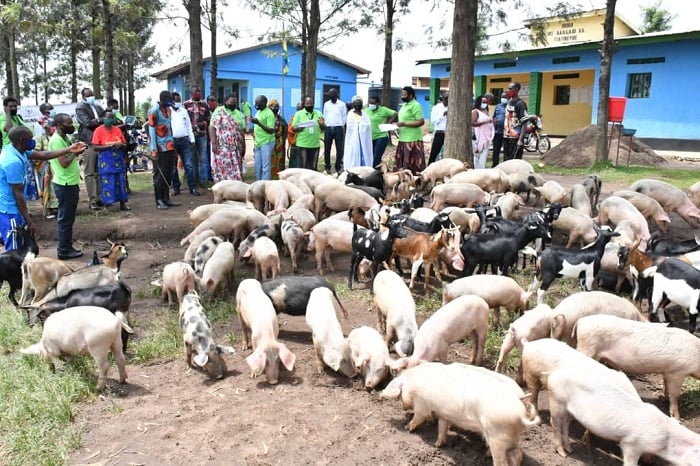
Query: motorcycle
[{"x": 535, "y": 139}]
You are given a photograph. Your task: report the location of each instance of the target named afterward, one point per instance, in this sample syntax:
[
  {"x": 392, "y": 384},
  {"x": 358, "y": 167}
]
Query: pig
[
  {"x": 488, "y": 179},
  {"x": 671, "y": 199},
  {"x": 524, "y": 182},
  {"x": 694, "y": 194},
  {"x": 496, "y": 290},
  {"x": 457, "y": 194},
  {"x": 330, "y": 345},
  {"x": 335, "y": 196},
  {"x": 294, "y": 241},
  {"x": 255, "y": 196},
  {"x": 593, "y": 185},
  {"x": 178, "y": 277},
  {"x": 551, "y": 191},
  {"x": 276, "y": 196},
  {"x": 305, "y": 201},
  {"x": 204, "y": 252},
  {"x": 512, "y": 166},
  {"x": 218, "y": 273},
  {"x": 641, "y": 428},
  {"x": 542, "y": 357},
  {"x": 463, "y": 317},
  {"x": 290, "y": 294},
  {"x": 87, "y": 277},
  {"x": 614, "y": 210},
  {"x": 266, "y": 258},
  {"x": 648, "y": 206},
  {"x": 200, "y": 348},
  {"x": 194, "y": 244},
  {"x": 270, "y": 228},
  {"x": 302, "y": 217},
  {"x": 327, "y": 236},
  {"x": 396, "y": 311},
  {"x": 471, "y": 398},
  {"x": 441, "y": 169},
  {"x": 203, "y": 212},
  {"x": 260, "y": 329},
  {"x": 229, "y": 190},
  {"x": 641, "y": 348},
  {"x": 580, "y": 200},
  {"x": 310, "y": 178},
  {"x": 509, "y": 203},
  {"x": 83, "y": 330},
  {"x": 576, "y": 225},
  {"x": 233, "y": 223},
  {"x": 369, "y": 355}
]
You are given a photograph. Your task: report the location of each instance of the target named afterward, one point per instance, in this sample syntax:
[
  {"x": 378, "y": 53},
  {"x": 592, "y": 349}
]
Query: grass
[{"x": 682, "y": 179}]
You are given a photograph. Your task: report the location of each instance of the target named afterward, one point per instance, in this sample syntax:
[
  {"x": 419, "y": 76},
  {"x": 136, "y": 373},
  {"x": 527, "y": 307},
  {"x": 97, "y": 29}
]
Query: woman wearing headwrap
[
  {"x": 227, "y": 141},
  {"x": 358, "y": 136},
  {"x": 280, "y": 130}
]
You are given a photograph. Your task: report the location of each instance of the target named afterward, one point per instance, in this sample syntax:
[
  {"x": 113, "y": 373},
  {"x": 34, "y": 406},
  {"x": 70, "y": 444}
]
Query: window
[
  {"x": 639, "y": 85},
  {"x": 561, "y": 95}
]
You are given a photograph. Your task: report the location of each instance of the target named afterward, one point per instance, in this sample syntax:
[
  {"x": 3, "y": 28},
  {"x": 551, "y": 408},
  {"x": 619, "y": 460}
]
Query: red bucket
[{"x": 616, "y": 109}]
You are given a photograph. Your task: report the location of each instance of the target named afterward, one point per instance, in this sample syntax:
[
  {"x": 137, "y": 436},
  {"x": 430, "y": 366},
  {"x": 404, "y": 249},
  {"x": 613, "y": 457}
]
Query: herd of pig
[{"x": 310, "y": 211}]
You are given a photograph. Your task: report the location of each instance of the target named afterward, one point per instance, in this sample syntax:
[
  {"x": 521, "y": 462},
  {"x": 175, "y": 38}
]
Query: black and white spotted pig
[
  {"x": 197, "y": 336},
  {"x": 290, "y": 294},
  {"x": 271, "y": 229},
  {"x": 204, "y": 252}
]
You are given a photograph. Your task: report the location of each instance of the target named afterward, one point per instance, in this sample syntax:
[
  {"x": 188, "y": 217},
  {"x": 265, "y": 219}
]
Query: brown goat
[
  {"x": 40, "y": 274},
  {"x": 114, "y": 258}
]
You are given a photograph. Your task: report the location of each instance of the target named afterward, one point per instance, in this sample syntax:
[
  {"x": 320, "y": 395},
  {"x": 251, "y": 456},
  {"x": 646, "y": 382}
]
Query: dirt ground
[{"x": 168, "y": 414}]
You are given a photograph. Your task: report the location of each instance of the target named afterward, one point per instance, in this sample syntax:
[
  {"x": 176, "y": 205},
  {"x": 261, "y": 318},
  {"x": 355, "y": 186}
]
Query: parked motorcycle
[{"x": 535, "y": 139}]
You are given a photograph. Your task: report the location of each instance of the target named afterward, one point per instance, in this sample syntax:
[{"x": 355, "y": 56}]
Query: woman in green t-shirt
[
  {"x": 379, "y": 115},
  {"x": 410, "y": 153}
]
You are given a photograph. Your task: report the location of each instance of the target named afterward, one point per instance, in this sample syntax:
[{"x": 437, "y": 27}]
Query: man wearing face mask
[
  {"x": 308, "y": 124},
  {"x": 516, "y": 114},
  {"x": 499, "y": 117},
  {"x": 358, "y": 139},
  {"x": 335, "y": 113},
  {"x": 9, "y": 118},
  {"x": 13, "y": 162},
  {"x": 264, "y": 138},
  {"x": 184, "y": 140},
  {"x": 200, "y": 115},
  {"x": 66, "y": 185},
  {"x": 160, "y": 134},
  {"x": 90, "y": 115},
  {"x": 438, "y": 117}
]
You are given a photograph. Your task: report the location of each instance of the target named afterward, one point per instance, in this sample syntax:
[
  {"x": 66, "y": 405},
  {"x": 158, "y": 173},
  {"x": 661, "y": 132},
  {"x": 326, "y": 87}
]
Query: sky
[{"x": 366, "y": 49}]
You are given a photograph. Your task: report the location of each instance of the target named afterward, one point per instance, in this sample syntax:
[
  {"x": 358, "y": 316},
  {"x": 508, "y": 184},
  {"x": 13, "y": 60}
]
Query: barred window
[
  {"x": 561, "y": 95},
  {"x": 639, "y": 85}
]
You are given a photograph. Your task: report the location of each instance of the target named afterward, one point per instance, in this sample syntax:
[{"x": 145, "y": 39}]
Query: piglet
[
  {"x": 178, "y": 278},
  {"x": 370, "y": 355},
  {"x": 396, "y": 311},
  {"x": 83, "y": 330},
  {"x": 204, "y": 252},
  {"x": 218, "y": 273},
  {"x": 329, "y": 343},
  {"x": 294, "y": 240},
  {"x": 260, "y": 328}
]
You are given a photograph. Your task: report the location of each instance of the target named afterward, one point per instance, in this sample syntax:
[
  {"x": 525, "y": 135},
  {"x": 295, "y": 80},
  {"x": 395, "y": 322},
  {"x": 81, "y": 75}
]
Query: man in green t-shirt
[
  {"x": 308, "y": 134},
  {"x": 66, "y": 185},
  {"x": 263, "y": 138}
]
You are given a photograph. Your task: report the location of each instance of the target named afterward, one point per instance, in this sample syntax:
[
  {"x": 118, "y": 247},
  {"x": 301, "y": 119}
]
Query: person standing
[
  {"x": 263, "y": 137},
  {"x": 160, "y": 134},
  {"x": 499, "y": 117},
  {"x": 308, "y": 134},
  {"x": 292, "y": 140},
  {"x": 45, "y": 120},
  {"x": 48, "y": 197},
  {"x": 277, "y": 158},
  {"x": 90, "y": 115},
  {"x": 13, "y": 160},
  {"x": 379, "y": 115},
  {"x": 227, "y": 142},
  {"x": 184, "y": 141},
  {"x": 110, "y": 144},
  {"x": 113, "y": 106},
  {"x": 438, "y": 117},
  {"x": 358, "y": 138},
  {"x": 200, "y": 115},
  {"x": 410, "y": 152},
  {"x": 9, "y": 118},
  {"x": 516, "y": 114},
  {"x": 482, "y": 125},
  {"x": 335, "y": 113}
]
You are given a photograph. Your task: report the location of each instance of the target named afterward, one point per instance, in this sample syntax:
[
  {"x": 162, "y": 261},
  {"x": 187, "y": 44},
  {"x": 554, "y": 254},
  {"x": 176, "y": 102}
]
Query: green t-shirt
[
  {"x": 69, "y": 176},
  {"x": 378, "y": 117},
  {"x": 410, "y": 111},
  {"x": 236, "y": 114},
  {"x": 17, "y": 121},
  {"x": 260, "y": 136},
  {"x": 308, "y": 138}
]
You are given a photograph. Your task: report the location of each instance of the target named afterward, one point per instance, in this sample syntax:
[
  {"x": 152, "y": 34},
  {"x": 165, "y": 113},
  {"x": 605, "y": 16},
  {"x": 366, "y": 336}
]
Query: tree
[
  {"x": 606, "y": 54},
  {"x": 388, "y": 9},
  {"x": 656, "y": 18},
  {"x": 194, "y": 22},
  {"x": 458, "y": 133}
]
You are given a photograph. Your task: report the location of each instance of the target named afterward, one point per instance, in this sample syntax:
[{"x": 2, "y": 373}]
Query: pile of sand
[{"x": 578, "y": 150}]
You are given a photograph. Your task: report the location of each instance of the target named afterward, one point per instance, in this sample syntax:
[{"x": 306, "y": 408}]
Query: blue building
[
  {"x": 560, "y": 82},
  {"x": 258, "y": 70}
]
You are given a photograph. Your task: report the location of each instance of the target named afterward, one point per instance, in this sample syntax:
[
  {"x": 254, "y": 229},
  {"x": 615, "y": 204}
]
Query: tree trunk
[
  {"x": 13, "y": 84},
  {"x": 606, "y": 55},
  {"x": 45, "y": 71},
  {"x": 458, "y": 133},
  {"x": 109, "y": 49},
  {"x": 194, "y": 21},
  {"x": 388, "y": 49},
  {"x": 96, "y": 55},
  {"x": 304, "y": 48},
  {"x": 313, "y": 30},
  {"x": 130, "y": 85},
  {"x": 213, "y": 85}
]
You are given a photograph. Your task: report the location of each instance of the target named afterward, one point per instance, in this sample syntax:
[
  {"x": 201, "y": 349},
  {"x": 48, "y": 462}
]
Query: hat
[
  {"x": 356, "y": 97},
  {"x": 273, "y": 102}
]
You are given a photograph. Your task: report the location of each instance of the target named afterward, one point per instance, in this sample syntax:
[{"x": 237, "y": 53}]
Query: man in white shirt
[
  {"x": 183, "y": 137},
  {"x": 438, "y": 118},
  {"x": 335, "y": 113}
]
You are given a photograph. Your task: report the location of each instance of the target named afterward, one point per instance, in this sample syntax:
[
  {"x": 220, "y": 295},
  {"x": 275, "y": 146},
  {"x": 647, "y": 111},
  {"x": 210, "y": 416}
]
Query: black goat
[
  {"x": 672, "y": 248},
  {"x": 558, "y": 262},
  {"x": 372, "y": 191},
  {"x": 376, "y": 246},
  {"x": 374, "y": 179},
  {"x": 11, "y": 262}
]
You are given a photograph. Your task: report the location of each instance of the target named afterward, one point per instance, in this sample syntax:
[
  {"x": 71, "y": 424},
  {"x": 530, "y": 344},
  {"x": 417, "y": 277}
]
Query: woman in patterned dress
[
  {"x": 277, "y": 158},
  {"x": 227, "y": 143}
]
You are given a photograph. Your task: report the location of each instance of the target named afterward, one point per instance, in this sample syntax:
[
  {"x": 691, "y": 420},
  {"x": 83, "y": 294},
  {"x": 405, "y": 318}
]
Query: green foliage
[
  {"x": 656, "y": 18},
  {"x": 160, "y": 337},
  {"x": 690, "y": 398},
  {"x": 682, "y": 179}
]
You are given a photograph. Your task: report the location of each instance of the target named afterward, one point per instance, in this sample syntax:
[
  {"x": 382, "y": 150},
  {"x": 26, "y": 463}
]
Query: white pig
[
  {"x": 369, "y": 354},
  {"x": 83, "y": 330},
  {"x": 649, "y": 207},
  {"x": 580, "y": 200},
  {"x": 294, "y": 240},
  {"x": 614, "y": 210},
  {"x": 266, "y": 258},
  {"x": 551, "y": 191},
  {"x": 330, "y": 235},
  {"x": 218, "y": 273},
  {"x": 229, "y": 190},
  {"x": 611, "y": 413},
  {"x": 396, "y": 311},
  {"x": 330, "y": 345},
  {"x": 463, "y": 317},
  {"x": 694, "y": 194},
  {"x": 260, "y": 328},
  {"x": 671, "y": 199},
  {"x": 468, "y": 397},
  {"x": 178, "y": 277}
]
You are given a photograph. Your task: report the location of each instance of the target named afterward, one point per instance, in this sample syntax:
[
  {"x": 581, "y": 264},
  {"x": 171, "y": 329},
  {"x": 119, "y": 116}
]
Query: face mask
[
  {"x": 372, "y": 106},
  {"x": 212, "y": 105},
  {"x": 484, "y": 106},
  {"x": 309, "y": 109},
  {"x": 13, "y": 112},
  {"x": 404, "y": 99},
  {"x": 275, "y": 110},
  {"x": 69, "y": 129},
  {"x": 334, "y": 99},
  {"x": 197, "y": 95},
  {"x": 176, "y": 105},
  {"x": 31, "y": 144},
  {"x": 110, "y": 122},
  {"x": 511, "y": 93},
  {"x": 169, "y": 103},
  {"x": 504, "y": 100},
  {"x": 52, "y": 113},
  {"x": 90, "y": 100},
  {"x": 231, "y": 106},
  {"x": 444, "y": 102}
]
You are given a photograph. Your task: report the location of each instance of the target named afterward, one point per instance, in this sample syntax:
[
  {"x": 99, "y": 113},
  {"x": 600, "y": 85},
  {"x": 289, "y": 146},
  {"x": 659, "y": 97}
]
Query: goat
[
  {"x": 375, "y": 246},
  {"x": 672, "y": 248},
  {"x": 583, "y": 263},
  {"x": 371, "y": 190},
  {"x": 593, "y": 185},
  {"x": 11, "y": 262},
  {"x": 40, "y": 274},
  {"x": 113, "y": 259},
  {"x": 676, "y": 281},
  {"x": 374, "y": 180}
]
